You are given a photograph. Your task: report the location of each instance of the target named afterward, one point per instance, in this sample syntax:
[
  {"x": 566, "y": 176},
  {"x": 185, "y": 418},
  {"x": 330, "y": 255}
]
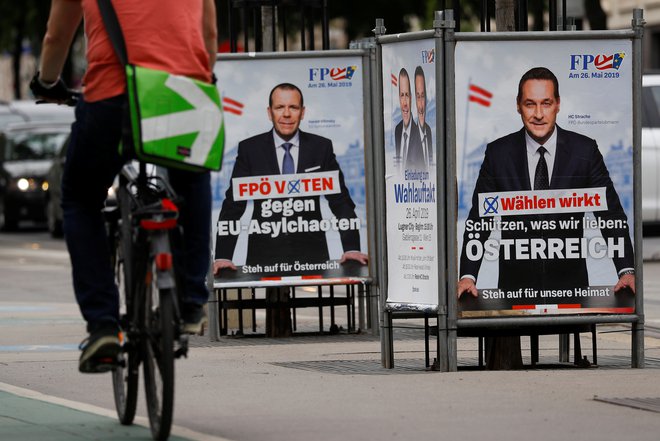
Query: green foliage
[{"x": 361, "y": 14}]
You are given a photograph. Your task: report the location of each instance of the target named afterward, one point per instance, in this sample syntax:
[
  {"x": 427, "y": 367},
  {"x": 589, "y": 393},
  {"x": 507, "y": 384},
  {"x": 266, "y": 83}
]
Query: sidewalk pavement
[{"x": 333, "y": 388}]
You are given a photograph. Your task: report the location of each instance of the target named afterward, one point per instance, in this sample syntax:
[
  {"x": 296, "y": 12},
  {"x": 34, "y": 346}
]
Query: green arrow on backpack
[{"x": 176, "y": 121}]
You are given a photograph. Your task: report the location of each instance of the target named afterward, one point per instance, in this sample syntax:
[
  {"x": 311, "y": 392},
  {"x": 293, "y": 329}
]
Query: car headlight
[
  {"x": 23, "y": 184},
  {"x": 30, "y": 184}
]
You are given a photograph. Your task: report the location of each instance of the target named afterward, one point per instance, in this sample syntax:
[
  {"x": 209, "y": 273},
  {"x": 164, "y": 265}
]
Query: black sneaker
[
  {"x": 194, "y": 318},
  {"x": 100, "y": 351}
]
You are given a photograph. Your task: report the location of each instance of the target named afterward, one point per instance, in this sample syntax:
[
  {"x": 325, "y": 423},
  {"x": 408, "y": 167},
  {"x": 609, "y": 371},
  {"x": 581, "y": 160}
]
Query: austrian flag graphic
[
  {"x": 232, "y": 106},
  {"x": 479, "y": 95}
]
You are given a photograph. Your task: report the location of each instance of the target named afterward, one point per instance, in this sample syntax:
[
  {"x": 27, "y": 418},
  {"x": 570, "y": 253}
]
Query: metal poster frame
[
  {"x": 365, "y": 56},
  {"x": 396, "y": 310},
  {"x": 637, "y": 318}
]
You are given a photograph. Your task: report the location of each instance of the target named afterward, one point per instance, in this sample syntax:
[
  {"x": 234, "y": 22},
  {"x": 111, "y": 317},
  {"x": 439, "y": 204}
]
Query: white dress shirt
[
  {"x": 533, "y": 155},
  {"x": 294, "y": 150}
]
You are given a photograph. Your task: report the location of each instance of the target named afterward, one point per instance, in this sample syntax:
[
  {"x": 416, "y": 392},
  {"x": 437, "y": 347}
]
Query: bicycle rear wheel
[
  {"x": 159, "y": 360},
  {"x": 125, "y": 375}
]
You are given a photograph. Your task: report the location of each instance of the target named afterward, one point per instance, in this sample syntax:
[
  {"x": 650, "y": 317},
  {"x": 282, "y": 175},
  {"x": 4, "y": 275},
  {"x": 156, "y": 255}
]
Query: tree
[
  {"x": 595, "y": 14},
  {"x": 20, "y": 23},
  {"x": 504, "y": 352}
]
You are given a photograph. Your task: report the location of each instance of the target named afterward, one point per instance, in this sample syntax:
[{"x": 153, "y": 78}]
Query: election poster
[
  {"x": 289, "y": 203},
  {"x": 544, "y": 171},
  {"x": 410, "y": 135}
]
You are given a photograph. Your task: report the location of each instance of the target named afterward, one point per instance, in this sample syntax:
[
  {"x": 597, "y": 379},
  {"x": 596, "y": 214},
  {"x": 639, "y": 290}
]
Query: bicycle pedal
[{"x": 182, "y": 350}]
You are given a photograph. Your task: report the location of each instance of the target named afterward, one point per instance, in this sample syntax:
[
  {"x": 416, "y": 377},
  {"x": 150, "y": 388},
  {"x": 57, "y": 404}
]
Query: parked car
[
  {"x": 27, "y": 151},
  {"x": 651, "y": 149},
  {"x": 25, "y": 111},
  {"x": 9, "y": 115},
  {"x": 44, "y": 111}
]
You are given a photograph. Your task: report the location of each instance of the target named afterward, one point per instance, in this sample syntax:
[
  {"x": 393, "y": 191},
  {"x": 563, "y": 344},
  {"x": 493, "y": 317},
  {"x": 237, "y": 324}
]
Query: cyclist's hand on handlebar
[
  {"x": 54, "y": 93},
  {"x": 221, "y": 264}
]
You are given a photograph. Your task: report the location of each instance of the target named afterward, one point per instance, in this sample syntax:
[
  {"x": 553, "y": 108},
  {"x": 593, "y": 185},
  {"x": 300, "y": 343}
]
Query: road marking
[
  {"x": 141, "y": 421},
  {"x": 17, "y": 308},
  {"x": 39, "y": 348}
]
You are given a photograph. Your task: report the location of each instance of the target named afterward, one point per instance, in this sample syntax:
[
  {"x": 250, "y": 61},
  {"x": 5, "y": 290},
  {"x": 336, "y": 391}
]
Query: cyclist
[{"x": 173, "y": 35}]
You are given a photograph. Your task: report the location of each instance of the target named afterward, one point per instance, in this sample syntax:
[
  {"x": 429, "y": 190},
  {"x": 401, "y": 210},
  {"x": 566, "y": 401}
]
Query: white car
[
  {"x": 43, "y": 112},
  {"x": 651, "y": 149}
]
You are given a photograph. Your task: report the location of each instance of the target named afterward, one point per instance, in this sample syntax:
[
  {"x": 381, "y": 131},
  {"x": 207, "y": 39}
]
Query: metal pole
[
  {"x": 369, "y": 93},
  {"x": 484, "y": 14},
  {"x": 451, "y": 238},
  {"x": 521, "y": 12},
  {"x": 325, "y": 26},
  {"x": 302, "y": 25},
  {"x": 444, "y": 26},
  {"x": 552, "y": 7},
  {"x": 386, "y": 340},
  {"x": 273, "y": 23},
  {"x": 312, "y": 43},
  {"x": 233, "y": 37},
  {"x": 637, "y": 354},
  {"x": 284, "y": 31},
  {"x": 246, "y": 46},
  {"x": 213, "y": 311},
  {"x": 256, "y": 24},
  {"x": 563, "y": 15}
]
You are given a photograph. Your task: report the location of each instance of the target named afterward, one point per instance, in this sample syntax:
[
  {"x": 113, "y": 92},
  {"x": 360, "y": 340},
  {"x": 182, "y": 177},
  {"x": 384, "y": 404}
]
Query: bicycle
[
  {"x": 140, "y": 228},
  {"x": 152, "y": 332}
]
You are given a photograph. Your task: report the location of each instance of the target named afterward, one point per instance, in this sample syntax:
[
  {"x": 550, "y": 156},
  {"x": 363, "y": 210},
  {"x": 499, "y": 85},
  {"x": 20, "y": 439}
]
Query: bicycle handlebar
[
  {"x": 57, "y": 93},
  {"x": 71, "y": 101}
]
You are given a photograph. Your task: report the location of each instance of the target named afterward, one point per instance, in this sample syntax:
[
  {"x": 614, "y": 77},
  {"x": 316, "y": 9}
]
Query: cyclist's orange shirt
[{"x": 160, "y": 34}]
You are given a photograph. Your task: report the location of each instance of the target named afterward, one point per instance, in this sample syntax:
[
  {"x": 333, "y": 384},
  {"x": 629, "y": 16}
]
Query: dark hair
[
  {"x": 419, "y": 72},
  {"x": 404, "y": 73},
  {"x": 538, "y": 73},
  {"x": 285, "y": 86}
]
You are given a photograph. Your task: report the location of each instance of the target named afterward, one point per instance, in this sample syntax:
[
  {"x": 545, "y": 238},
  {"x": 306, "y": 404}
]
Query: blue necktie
[{"x": 287, "y": 163}]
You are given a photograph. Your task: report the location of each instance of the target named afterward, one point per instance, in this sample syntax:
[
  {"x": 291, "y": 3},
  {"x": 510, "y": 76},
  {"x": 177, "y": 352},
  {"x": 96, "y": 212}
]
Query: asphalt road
[{"x": 320, "y": 388}]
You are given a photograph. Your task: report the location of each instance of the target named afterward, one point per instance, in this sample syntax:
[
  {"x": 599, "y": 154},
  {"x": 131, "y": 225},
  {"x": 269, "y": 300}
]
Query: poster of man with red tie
[
  {"x": 545, "y": 208},
  {"x": 290, "y": 199},
  {"x": 409, "y": 117}
]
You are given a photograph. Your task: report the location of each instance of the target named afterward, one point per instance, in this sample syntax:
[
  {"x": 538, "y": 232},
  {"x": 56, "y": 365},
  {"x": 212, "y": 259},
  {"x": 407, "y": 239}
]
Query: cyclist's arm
[
  {"x": 210, "y": 31},
  {"x": 63, "y": 21}
]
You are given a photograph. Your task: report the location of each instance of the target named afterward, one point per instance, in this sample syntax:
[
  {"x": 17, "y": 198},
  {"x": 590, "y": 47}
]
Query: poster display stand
[
  {"x": 531, "y": 248},
  {"x": 493, "y": 181},
  {"x": 298, "y": 217}
]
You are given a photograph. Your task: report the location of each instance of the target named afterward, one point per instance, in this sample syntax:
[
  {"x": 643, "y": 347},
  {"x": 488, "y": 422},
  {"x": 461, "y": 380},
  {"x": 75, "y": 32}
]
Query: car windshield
[{"x": 42, "y": 145}]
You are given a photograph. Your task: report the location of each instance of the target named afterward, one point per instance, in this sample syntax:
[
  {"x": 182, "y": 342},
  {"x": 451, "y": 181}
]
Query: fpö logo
[
  {"x": 600, "y": 61},
  {"x": 331, "y": 73},
  {"x": 428, "y": 56}
]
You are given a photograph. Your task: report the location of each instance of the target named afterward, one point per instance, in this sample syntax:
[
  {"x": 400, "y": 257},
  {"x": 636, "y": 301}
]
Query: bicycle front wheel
[{"x": 158, "y": 363}]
